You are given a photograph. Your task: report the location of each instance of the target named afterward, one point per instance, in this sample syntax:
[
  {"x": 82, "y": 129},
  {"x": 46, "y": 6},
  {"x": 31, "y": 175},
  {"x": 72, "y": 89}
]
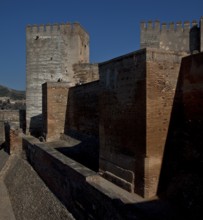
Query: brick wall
[
  {"x": 55, "y": 97},
  {"x": 162, "y": 76},
  {"x": 136, "y": 102},
  {"x": 83, "y": 109},
  {"x": 181, "y": 176},
  {"x": 122, "y": 120}
]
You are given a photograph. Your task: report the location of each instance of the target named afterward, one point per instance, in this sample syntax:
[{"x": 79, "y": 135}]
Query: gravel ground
[{"x": 29, "y": 196}]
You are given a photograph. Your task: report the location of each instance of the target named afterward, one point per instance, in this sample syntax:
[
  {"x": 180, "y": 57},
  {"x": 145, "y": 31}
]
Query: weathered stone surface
[
  {"x": 10, "y": 116},
  {"x": 85, "y": 72},
  {"x": 180, "y": 37},
  {"x": 51, "y": 51},
  {"x": 15, "y": 135}
]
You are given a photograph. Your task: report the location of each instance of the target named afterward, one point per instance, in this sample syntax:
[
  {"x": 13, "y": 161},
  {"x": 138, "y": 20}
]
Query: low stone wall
[
  {"x": 17, "y": 117},
  {"x": 82, "y": 191},
  {"x": 10, "y": 115}
]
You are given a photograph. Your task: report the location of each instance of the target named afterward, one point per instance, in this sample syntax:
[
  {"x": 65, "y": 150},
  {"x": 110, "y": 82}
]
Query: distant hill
[{"x": 11, "y": 93}]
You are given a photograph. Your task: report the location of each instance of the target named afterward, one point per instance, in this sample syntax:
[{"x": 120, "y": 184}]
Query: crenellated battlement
[
  {"x": 171, "y": 26},
  {"x": 177, "y": 36},
  {"x": 55, "y": 28}
]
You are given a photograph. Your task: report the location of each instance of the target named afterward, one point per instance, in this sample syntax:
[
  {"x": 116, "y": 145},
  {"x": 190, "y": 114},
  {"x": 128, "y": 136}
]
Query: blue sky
[{"x": 113, "y": 26}]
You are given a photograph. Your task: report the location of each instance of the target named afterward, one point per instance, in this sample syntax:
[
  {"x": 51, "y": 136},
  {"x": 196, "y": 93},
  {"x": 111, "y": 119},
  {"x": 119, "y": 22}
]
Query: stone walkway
[
  {"x": 30, "y": 197},
  {"x": 6, "y": 211}
]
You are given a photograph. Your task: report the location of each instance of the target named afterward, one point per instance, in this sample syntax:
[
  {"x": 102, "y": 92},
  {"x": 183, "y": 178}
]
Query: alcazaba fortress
[{"x": 120, "y": 139}]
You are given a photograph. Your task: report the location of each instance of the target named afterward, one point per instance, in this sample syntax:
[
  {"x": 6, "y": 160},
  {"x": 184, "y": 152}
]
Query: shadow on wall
[
  {"x": 36, "y": 126},
  {"x": 194, "y": 39},
  {"x": 181, "y": 179},
  {"x": 84, "y": 151},
  {"x": 22, "y": 118},
  {"x": 82, "y": 113},
  {"x": 82, "y": 124}
]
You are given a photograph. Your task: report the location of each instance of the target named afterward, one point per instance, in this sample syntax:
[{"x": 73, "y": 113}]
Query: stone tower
[
  {"x": 176, "y": 36},
  {"x": 51, "y": 51}
]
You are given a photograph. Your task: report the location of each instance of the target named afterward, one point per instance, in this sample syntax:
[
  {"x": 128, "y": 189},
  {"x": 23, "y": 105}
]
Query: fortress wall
[
  {"x": 51, "y": 50},
  {"x": 135, "y": 108},
  {"x": 85, "y": 73},
  {"x": 55, "y": 97},
  {"x": 162, "y": 76},
  {"x": 181, "y": 175},
  {"x": 180, "y": 37},
  {"x": 123, "y": 120},
  {"x": 82, "y": 113}
]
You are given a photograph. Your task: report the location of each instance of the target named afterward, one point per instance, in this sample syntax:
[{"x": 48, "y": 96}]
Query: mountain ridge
[{"x": 11, "y": 93}]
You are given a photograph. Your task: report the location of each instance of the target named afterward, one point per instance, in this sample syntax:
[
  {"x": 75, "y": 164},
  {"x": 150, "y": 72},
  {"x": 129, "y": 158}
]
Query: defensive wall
[
  {"x": 176, "y": 36},
  {"x": 135, "y": 107},
  {"x": 72, "y": 114},
  {"x": 181, "y": 171},
  {"x": 145, "y": 112},
  {"x": 85, "y": 73},
  {"x": 83, "y": 109},
  {"x": 128, "y": 111},
  {"x": 171, "y": 111},
  {"x": 67, "y": 109}
]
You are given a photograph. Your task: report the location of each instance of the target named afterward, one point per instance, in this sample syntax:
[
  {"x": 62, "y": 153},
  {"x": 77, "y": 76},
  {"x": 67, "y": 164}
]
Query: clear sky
[{"x": 113, "y": 26}]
